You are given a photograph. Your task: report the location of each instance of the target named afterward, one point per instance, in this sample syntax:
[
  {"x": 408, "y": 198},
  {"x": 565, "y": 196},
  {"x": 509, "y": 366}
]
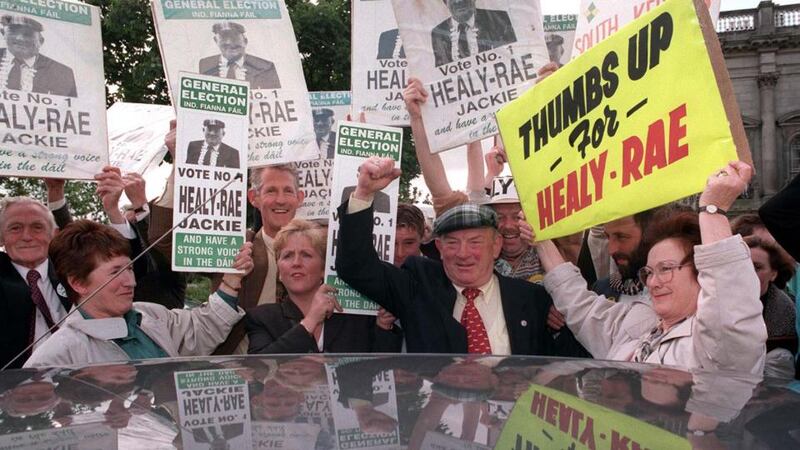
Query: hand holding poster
[
  {"x": 210, "y": 173},
  {"x": 599, "y": 19},
  {"x": 52, "y": 113},
  {"x": 602, "y": 138},
  {"x": 249, "y": 41},
  {"x": 379, "y": 64},
  {"x": 355, "y": 142},
  {"x": 314, "y": 176},
  {"x": 472, "y": 59}
]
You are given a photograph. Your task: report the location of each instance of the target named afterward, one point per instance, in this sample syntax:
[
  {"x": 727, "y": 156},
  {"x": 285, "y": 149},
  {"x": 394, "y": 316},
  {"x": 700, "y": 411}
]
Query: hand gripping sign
[{"x": 625, "y": 127}]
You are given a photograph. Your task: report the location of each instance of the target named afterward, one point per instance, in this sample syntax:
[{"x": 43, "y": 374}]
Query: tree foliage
[{"x": 134, "y": 72}]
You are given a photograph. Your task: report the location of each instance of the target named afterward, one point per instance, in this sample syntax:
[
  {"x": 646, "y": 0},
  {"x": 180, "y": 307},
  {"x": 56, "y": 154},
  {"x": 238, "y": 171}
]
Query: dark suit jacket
[
  {"x": 250, "y": 291},
  {"x": 422, "y": 297},
  {"x": 781, "y": 215},
  {"x": 16, "y": 310},
  {"x": 494, "y": 30},
  {"x": 386, "y": 44},
  {"x": 51, "y": 77},
  {"x": 227, "y": 155},
  {"x": 331, "y": 144},
  {"x": 259, "y": 72},
  {"x": 380, "y": 203},
  {"x": 276, "y": 328}
]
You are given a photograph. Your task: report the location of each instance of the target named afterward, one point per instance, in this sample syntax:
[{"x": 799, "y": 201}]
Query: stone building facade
[{"x": 762, "y": 52}]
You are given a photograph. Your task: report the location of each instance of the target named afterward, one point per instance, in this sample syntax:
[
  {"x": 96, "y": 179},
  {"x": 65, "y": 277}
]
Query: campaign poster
[
  {"x": 314, "y": 176},
  {"x": 379, "y": 64},
  {"x": 559, "y": 32},
  {"x": 472, "y": 58},
  {"x": 373, "y": 423},
  {"x": 599, "y": 19},
  {"x": 213, "y": 409},
  {"x": 210, "y": 172},
  {"x": 285, "y": 435},
  {"x": 136, "y": 135},
  {"x": 602, "y": 138},
  {"x": 91, "y": 436},
  {"x": 249, "y": 41},
  {"x": 52, "y": 90},
  {"x": 355, "y": 142}
]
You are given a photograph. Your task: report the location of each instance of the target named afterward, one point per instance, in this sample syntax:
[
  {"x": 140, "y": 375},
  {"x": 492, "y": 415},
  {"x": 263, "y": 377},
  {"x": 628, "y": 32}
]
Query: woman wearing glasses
[{"x": 704, "y": 309}]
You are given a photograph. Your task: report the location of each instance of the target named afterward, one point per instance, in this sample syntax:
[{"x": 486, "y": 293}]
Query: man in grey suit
[
  {"x": 234, "y": 63},
  {"x": 469, "y": 31},
  {"x": 323, "y": 129},
  {"x": 24, "y": 67},
  {"x": 212, "y": 151}
]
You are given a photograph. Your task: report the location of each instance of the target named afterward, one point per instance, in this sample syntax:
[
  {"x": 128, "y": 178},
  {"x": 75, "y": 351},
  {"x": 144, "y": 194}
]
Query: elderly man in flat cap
[
  {"x": 234, "y": 63},
  {"x": 323, "y": 128},
  {"x": 212, "y": 151},
  {"x": 458, "y": 305},
  {"x": 23, "y": 68}
]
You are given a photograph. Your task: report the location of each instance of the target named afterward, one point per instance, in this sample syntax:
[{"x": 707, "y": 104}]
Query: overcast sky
[{"x": 571, "y": 6}]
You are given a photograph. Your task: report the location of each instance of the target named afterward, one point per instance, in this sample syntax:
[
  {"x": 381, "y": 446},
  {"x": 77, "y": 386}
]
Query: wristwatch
[{"x": 712, "y": 209}]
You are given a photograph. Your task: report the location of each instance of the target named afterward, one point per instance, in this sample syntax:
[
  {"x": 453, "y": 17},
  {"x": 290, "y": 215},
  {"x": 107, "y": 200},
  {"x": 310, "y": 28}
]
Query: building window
[{"x": 794, "y": 155}]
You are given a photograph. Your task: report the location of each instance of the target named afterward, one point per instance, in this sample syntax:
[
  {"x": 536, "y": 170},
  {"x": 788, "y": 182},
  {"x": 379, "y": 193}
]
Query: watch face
[{"x": 711, "y": 209}]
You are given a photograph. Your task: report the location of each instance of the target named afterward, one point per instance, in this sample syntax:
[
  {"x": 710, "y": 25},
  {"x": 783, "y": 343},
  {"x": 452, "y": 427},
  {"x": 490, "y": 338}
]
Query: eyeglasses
[{"x": 664, "y": 270}]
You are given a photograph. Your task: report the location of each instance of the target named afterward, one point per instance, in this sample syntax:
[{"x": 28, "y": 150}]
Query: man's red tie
[
  {"x": 38, "y": 300},
  {"x": 477, "y": 338}
]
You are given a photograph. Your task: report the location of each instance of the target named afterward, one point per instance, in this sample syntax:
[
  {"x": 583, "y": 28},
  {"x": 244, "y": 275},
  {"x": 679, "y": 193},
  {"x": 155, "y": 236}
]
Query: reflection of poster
[
  {"x": 379, "y": 64},
  {"x": 472, "y": 58},
  {"x": 249, "y": 41},
  {"x": 213, "y": 409},
  {"x": 624, "y": 144},
  {"x": 52, "y": 87},
  {"x": 599, "y": 19},
  {"x": 210, "y": 152},
  {"x": 285, "y": 435},
  {"x": 94, "y": 436},
  {"x": 559, "y": 32},
  {"x": 355, "y": 143},
  {"x": 570, "y": 422},
  {"x": 136, "y": 135},
  {"x": 371, "y": 424},
  {"x": 314, "y": 176}
]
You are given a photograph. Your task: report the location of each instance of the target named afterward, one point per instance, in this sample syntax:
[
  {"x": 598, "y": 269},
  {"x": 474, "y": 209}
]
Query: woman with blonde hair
[{"x": 303, "y": 320}]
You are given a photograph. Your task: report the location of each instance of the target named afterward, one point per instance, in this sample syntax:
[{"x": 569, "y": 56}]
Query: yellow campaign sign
[
  {"x": 640, "y": 120},
  {"x": 546, "y": 419}
]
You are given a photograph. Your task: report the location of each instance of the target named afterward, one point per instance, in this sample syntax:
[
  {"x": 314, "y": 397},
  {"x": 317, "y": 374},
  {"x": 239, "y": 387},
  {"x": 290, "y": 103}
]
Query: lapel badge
[
  {"x": 60, "y": 290},
  {"x": 524, "y": 323}
]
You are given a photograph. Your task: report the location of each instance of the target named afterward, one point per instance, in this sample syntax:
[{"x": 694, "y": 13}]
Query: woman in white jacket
[{"x": 703, "y": 309}]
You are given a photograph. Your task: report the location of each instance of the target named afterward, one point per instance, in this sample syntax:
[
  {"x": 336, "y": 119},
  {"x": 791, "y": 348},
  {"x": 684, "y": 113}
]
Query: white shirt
[
  {"x": 26, "y": 72},
  {"x": 491, "y": 310},
  {"x": 57, "y": 311},
  {"x": 214, "y": 154},
  {"x": 241, "y": 72},
  {"x": 472, "y": 37}
]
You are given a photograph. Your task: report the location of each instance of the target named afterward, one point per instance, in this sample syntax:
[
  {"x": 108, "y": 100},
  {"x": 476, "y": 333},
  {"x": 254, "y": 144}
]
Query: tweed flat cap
[
  {"x": 462, "y": 217},
  {"x": 213, "y": 123},
  {"x": 21, "y": 21},
  {"x": 220, "y": 27}
]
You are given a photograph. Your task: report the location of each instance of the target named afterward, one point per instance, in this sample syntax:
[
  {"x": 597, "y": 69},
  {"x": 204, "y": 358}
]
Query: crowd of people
[{"x": 674, "y": 285}]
